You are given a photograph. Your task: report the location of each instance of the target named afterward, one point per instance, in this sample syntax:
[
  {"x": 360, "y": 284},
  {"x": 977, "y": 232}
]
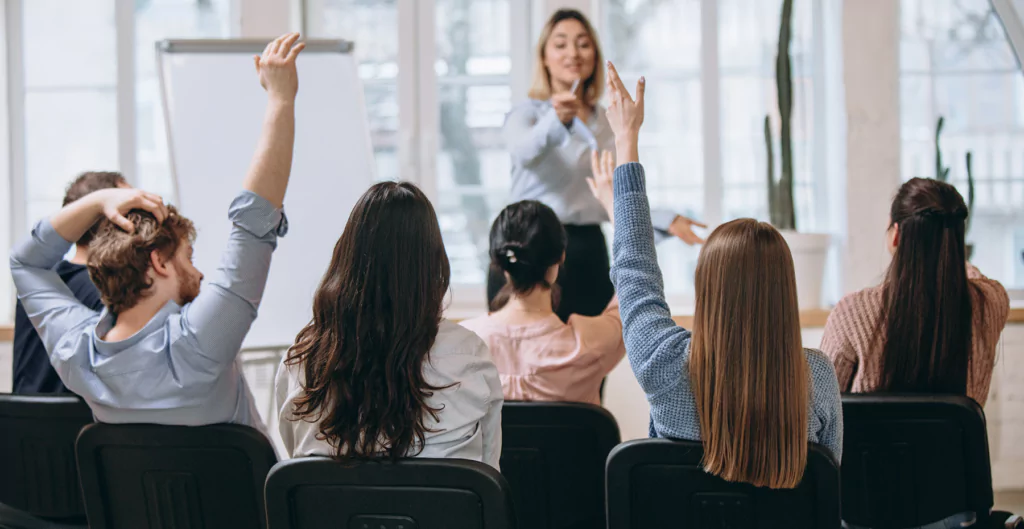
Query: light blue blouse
[{"x": 551, "y": 162}]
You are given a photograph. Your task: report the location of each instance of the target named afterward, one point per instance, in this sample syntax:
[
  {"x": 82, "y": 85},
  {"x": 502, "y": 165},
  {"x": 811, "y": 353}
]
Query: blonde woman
[
  {"x": 550, "y": 138},
  {"x": 740, "y": 381}
]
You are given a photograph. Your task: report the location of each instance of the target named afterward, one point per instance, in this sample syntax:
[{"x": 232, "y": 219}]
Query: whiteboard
[{"x": 214, "y": 108}]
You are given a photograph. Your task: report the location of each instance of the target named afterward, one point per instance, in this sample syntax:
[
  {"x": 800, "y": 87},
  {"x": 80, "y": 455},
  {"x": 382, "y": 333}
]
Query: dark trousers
[{"x": 583, "y": 280}]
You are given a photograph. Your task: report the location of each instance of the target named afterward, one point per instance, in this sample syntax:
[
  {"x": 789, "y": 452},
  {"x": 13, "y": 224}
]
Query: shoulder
[
  {"x": 480, "y": 325},
  {"x": 823, "y": 376},
  {"x": 857, "y": 306},
  {"x": 454, "y": 340},
  {"x": 529, "y": 107}
]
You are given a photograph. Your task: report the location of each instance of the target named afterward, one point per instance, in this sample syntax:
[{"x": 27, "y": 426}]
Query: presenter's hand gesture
[
  {"x": 276, "y": 67},
  {"x": 682, "y": 227},
  {"x": 603, "y": 166},
  {"x": 567, "y": 106},
  {"x": 115, "y": 203},
  {"x": 625, "y": 115}
]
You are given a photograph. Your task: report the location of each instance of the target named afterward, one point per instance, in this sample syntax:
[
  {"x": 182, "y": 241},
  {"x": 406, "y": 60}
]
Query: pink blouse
[{"x": 553, "y": 361}]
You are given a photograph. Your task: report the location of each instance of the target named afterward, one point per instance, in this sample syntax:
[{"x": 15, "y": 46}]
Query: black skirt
[{"x": 583, "y": 280}]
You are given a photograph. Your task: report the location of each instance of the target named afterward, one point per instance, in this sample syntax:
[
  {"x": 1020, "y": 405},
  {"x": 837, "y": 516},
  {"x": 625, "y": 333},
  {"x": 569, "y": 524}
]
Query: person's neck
[
  {"x": 131, "y": 321},
  {"x": 81, "y": 256},
  {"x": 533, "y": 306}
]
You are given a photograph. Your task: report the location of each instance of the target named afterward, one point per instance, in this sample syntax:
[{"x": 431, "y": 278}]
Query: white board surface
[{"x": 214, "y": 107}]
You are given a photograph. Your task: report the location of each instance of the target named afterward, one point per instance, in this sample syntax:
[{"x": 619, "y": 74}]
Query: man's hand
[
  {"x": 603, "y": 167},
  {"x": 276, "y": 67},
  {"x": 115, "y": 203},
  {"x": 682, "y": 228}
]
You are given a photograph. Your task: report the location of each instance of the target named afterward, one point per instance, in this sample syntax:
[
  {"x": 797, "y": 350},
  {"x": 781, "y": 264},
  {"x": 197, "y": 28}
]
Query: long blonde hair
[
  {"x": 747, "y": 367},
  {"x": 593, "y": 86}
]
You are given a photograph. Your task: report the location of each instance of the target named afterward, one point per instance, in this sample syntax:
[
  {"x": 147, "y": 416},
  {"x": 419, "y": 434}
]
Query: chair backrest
[
  {"x": 553, "y": 456},
  {"x": 661, "y": 483},
  {"x": 909, "y": 460},
  {"x": 37, "y": 454},
  {"x": 146, "y": 476},
  {"x": 413, "y": 493}
]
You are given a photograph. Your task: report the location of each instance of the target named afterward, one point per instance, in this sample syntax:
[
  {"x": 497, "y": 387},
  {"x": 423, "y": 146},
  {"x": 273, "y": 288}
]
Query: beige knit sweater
[{"x": 853, "y": 323}]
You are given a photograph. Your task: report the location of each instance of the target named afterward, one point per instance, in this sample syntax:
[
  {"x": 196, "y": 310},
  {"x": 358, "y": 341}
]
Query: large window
[
  {"x": 956, "y": 63},
  {"x": 702, "y": 104},
  {"x": 438, "y": 77},
  {"x": 75, "y": 85}
]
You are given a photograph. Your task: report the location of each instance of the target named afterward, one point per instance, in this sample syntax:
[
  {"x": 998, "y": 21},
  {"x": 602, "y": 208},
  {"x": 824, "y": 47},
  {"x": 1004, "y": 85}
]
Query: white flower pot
[{"x": 810, "y": 254}]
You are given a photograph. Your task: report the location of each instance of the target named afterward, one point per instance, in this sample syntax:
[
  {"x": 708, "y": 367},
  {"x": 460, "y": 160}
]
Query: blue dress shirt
[{"x": 182, "y": 368}]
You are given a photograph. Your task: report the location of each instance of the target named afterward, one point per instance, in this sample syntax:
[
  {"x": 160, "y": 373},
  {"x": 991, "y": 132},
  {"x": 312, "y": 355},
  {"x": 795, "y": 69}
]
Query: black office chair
[
  {"x": 553, "y": 456},
  {"x": 909, "y": 460},
  {"x": 37, "y": 456},
  {"x": 139, "y": 476},
  {"x": 413, "y": 493},
  {"x": 661, "y": 483}
]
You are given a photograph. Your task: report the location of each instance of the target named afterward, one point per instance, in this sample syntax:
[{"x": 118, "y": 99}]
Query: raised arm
[
  {"x": 654, "y": 343},
  {"x": 221, "y": 315},
  {"x": 49, "y": 303}
]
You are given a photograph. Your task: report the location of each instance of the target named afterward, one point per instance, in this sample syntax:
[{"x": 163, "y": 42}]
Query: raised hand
[
  {"x": 625, "y": 115},
  {"x": 603, "y": 166},
  {"x": 276, "y": 67},
  {"x": 115, "y": 203}
]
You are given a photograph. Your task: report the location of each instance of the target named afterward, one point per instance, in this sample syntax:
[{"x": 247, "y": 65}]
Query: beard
[{"x": 188, "y": 288}]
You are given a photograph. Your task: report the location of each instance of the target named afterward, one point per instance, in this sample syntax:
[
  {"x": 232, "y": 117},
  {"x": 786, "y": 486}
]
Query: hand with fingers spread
[
  {"x": 625, "y": 115},
  {"x": 603, "y": 166},
  {"x": 276, "y": 67},
  {"x": 682, "y": 227}
]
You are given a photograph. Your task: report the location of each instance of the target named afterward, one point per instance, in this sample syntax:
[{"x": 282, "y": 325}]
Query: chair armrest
[{"x": 1005, "y": 520}]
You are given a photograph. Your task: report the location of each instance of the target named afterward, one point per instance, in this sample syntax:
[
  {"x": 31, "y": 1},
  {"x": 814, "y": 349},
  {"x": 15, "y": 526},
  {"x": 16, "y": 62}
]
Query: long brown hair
[
  {"x": 593, "y": 86},
  {"x": 747, "y": 367},
  {"x": 926, "y": 307},
  {"x": 375, "y": 317}
]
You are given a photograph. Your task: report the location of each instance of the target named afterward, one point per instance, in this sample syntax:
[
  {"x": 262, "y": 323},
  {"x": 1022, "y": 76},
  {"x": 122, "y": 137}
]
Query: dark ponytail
[
  {"x": 926, "y": 322},
  {"x": 526, "y": 240}
]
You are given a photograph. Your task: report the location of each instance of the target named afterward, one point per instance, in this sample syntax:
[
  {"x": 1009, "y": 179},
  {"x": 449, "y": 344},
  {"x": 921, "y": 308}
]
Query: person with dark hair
[
  {"x": 551, "y": 137},
  {"x": 162, "y": 351},
  {"x": 377, "y": 372},
  {"x": 933, "y": 324},
  {"x": 539, "y": 357},
  {"x": 33, "y": 373}
]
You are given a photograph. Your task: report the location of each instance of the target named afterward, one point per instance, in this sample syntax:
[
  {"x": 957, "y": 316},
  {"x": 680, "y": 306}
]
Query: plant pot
[{"x": 810, "y": 254}]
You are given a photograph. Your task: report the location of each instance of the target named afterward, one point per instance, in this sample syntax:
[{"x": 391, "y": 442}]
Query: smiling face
[{"x": 569, "y": 54}]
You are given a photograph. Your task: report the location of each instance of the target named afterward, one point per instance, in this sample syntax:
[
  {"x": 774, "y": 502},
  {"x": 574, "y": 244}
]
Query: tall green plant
[
  {"x": 780, "y": 194},
  {"x": 942, "y": 172}
]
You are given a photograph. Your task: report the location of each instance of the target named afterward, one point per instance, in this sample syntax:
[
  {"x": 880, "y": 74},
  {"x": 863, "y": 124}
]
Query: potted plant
[
  {"x": 942, "y": 175},
  {"x": 810, "y": 250}
]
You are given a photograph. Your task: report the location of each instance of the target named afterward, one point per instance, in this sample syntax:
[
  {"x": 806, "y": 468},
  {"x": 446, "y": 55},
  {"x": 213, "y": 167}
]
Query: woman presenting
[{"x": 552, "y": 137}]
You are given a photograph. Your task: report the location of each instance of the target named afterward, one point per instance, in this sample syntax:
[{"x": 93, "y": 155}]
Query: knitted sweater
[
  {"x": 857, "y": 356},
  {"x": 659, "y": 350}
]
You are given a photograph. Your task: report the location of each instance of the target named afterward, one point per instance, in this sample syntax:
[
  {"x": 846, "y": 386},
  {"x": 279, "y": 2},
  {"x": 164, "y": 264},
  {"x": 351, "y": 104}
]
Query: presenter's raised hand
[
  {"x": 625, "y": 116},
  {"x": 276, "y": 67},
  {"x": 603, "y": 166}
]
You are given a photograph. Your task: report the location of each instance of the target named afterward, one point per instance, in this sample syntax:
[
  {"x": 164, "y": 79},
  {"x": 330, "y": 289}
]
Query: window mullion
[
  {"x": 124, "y": 19},
  {"x": 710, "y": 75},
  {"x": 428, "y": 115}
]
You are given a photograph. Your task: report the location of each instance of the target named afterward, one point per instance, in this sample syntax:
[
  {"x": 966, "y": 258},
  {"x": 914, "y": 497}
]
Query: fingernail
[{"x": 642, "y": 80}]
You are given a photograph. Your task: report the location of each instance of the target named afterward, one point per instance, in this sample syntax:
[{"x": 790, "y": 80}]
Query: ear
[
  {"x": 161, "y": 267},
  {"x": 893, "y": 236}
]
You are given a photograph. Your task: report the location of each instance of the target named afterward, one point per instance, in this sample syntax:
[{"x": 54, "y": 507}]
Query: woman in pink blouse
[{"x": 538, "y": 356}]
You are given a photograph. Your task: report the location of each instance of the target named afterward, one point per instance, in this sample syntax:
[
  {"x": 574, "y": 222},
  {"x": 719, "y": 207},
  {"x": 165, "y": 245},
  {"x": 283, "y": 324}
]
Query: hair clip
[{"x": 511, "y": 256}]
